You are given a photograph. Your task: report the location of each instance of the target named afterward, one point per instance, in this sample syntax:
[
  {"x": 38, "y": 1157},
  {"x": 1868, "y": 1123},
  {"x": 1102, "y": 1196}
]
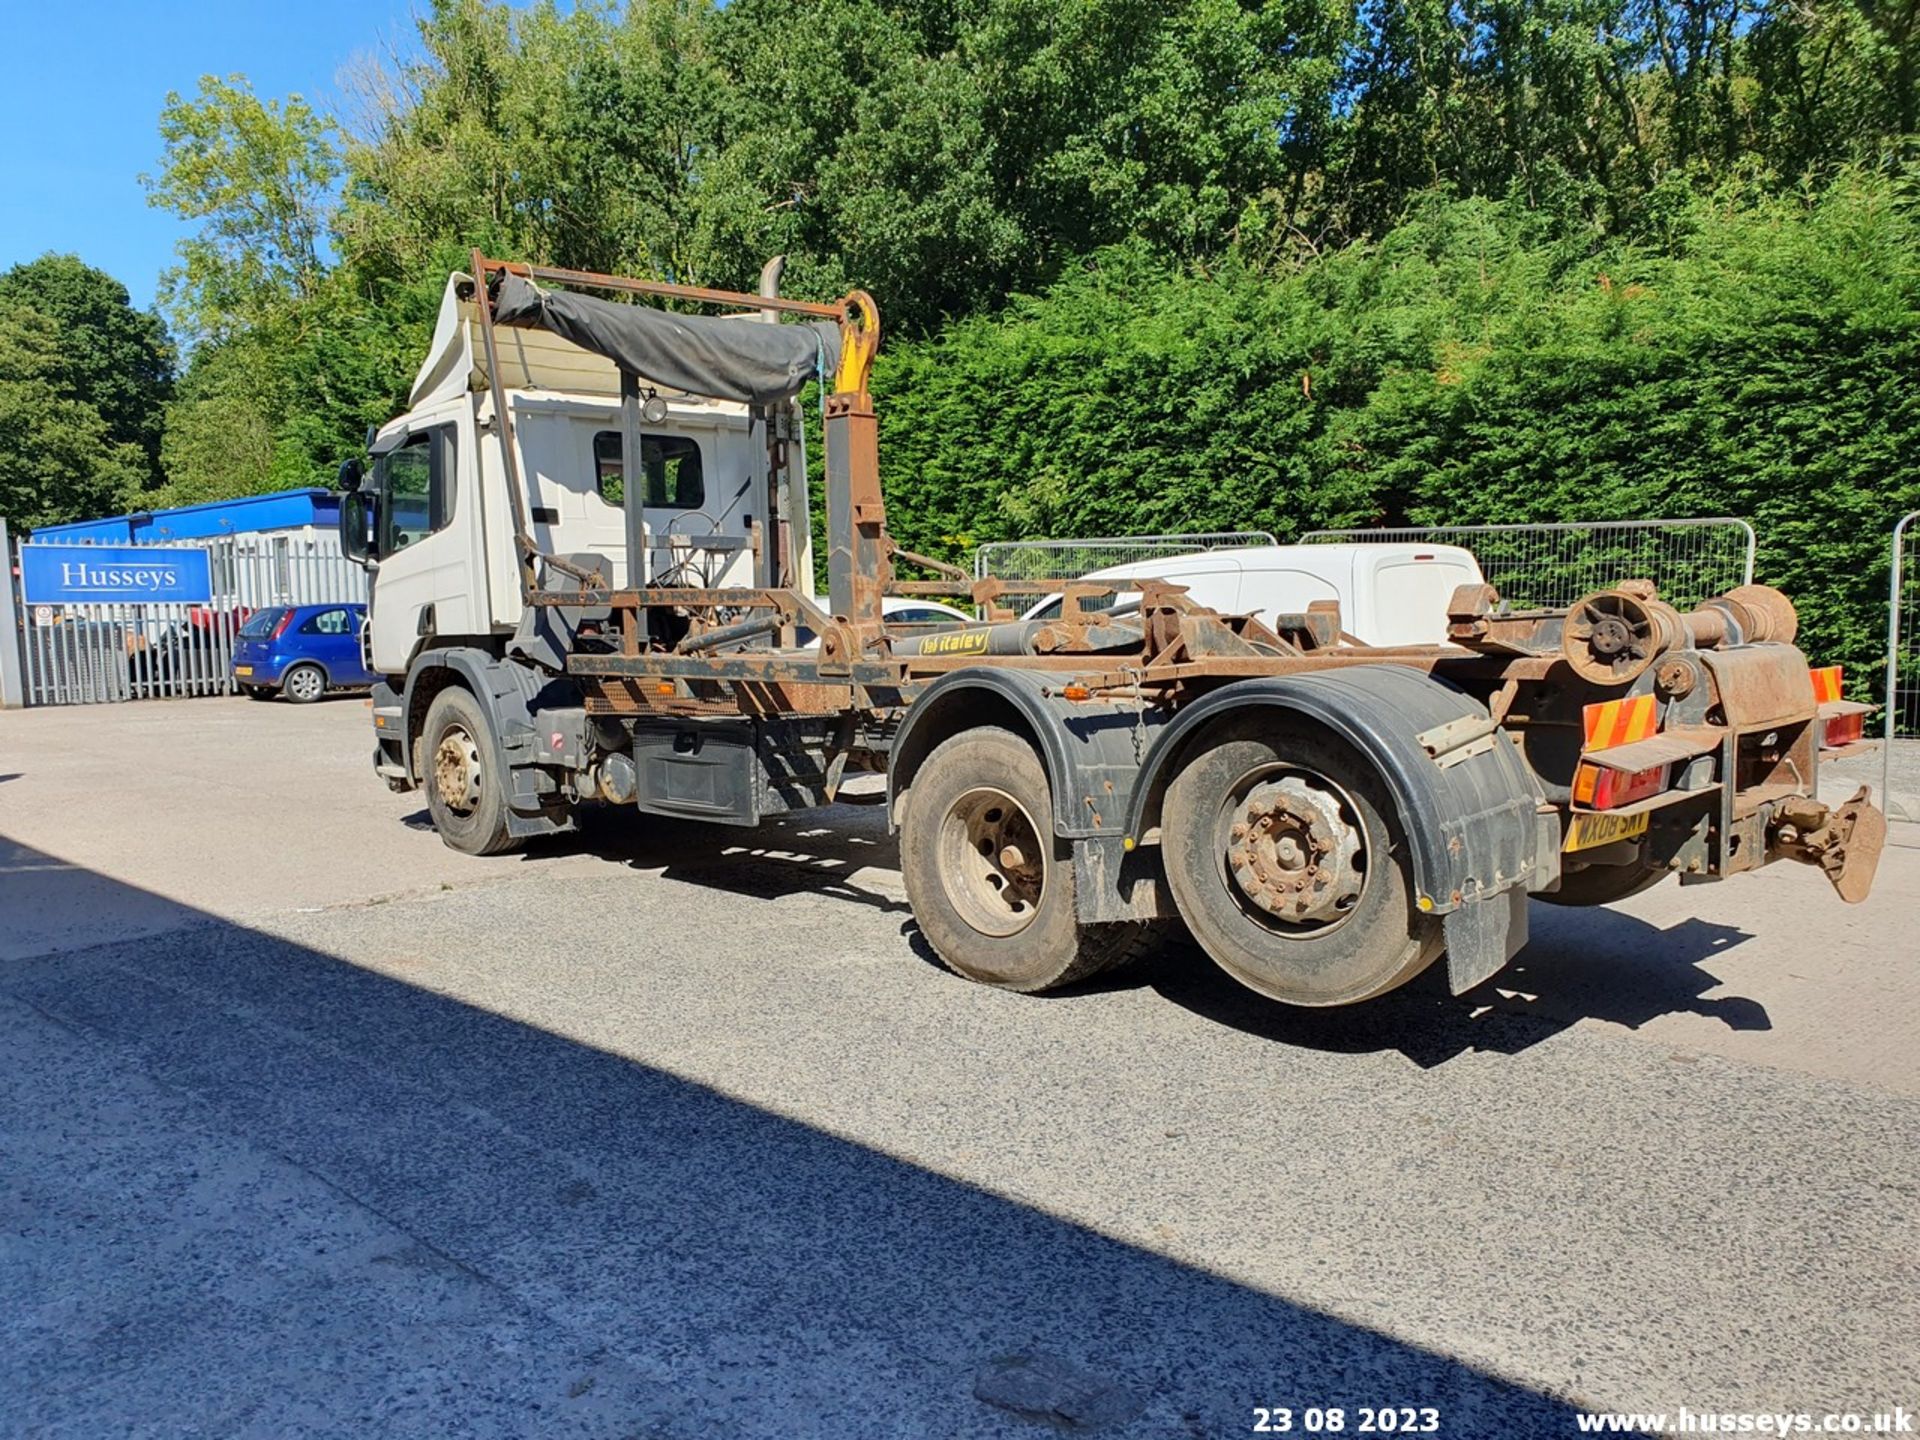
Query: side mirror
[
  {"x": 358, "y": 514},
  {"x": 350, "y": 475}
]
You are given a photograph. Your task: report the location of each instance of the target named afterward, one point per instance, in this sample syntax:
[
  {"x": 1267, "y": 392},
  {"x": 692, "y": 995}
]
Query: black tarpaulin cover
[{"x": 701, "y": 354}]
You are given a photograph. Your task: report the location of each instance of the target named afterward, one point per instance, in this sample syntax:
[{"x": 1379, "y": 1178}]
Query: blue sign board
[{"x": 127, "y": 574}]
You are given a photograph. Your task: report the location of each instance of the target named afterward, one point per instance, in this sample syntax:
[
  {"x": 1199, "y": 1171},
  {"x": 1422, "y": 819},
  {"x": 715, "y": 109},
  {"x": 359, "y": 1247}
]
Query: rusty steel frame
[
  {"x": 719, "y": 664},
  {"x": 708, "y": 657}
]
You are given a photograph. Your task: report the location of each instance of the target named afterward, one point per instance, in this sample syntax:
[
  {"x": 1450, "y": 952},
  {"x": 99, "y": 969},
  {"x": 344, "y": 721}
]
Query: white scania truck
[{"x": 593, "y": 584}]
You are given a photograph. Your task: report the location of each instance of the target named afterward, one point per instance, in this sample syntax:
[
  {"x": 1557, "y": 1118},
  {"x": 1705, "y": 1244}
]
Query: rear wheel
[
  {"x": 991, "y": 886},
  {"x": 464, "y": 794},
  {"x": 256, "y": 692},
  {"x": 304, "y": 684},
  {"x": 1286, "y": 858}
]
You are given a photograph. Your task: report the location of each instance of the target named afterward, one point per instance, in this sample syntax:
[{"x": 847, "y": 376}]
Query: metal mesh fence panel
[
  {"x": 1550, "y": 566},
  {"x": 1902, "y": 697}
]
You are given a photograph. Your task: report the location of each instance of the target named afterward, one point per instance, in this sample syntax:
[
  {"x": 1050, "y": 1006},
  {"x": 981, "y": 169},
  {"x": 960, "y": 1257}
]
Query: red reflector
[
  {"x": 1600, "y": 787},
  {"x": 1844, "y": 730}
]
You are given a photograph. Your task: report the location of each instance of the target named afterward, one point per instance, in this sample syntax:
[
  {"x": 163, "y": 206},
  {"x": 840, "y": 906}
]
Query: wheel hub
[
  {"x": 991, "y": 863},
  {"x": 1293, "y": 854},
  {"x": 456, "y": 771}
]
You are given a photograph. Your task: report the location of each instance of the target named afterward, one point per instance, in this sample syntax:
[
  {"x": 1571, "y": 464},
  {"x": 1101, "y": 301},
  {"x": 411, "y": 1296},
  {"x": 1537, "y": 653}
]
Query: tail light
[
  {"x": 1844, "y": 730},
  {"x": 286, "y": 619},
  {"x": 1841, "y": 722},
  {"x": 1601, "y": 787}
]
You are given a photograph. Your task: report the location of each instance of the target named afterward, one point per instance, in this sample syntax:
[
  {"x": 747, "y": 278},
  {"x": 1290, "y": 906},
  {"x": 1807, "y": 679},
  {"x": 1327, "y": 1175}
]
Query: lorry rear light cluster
[
  {"x": 1844, "y": 730},
  {"x": 1840, "y": 723},
  {"x": 1601, "y": 787}
]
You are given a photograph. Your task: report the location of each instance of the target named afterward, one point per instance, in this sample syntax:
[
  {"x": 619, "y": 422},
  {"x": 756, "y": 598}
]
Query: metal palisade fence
[
  {"x": 1549, "y": 566},
  {"x": 106, "y": 651}
]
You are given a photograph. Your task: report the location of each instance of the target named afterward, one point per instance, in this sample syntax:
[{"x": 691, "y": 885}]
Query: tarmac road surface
[{"x": 310, "y": 1126}]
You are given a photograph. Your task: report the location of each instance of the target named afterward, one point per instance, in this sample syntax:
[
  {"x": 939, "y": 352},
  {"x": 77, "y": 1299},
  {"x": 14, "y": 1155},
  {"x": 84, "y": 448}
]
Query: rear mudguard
[
  {"x": 1092, "y": 749},
  {"x": 1478, "y": 834}
]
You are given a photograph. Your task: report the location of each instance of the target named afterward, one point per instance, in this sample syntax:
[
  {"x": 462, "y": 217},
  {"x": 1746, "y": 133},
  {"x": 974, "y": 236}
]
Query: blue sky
[{"x": 82, "y": 99}]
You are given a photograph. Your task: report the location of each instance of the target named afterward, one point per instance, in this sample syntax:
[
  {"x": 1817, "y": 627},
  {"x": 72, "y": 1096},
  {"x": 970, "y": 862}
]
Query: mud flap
[{"x": 1482, "y": 936}]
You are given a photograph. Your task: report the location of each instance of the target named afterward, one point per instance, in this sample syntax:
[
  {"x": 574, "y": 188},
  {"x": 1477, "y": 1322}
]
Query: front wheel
[
  {"x": 465, "y": 795},
  {"x": 1286, "y": 858},
  {"x": 991, "y": 886}
]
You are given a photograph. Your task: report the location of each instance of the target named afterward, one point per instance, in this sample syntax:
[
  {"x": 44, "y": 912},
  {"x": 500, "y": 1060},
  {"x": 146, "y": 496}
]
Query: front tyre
[
  {"x": 465, "y": 796},
  {"x": 991, "y": 886},
  {"x": 1285, "y": 856}
]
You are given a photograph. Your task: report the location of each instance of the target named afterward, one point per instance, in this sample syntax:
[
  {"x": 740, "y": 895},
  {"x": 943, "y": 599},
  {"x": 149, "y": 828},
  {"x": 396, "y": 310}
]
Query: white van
[{"x": 1389, "y": 593}]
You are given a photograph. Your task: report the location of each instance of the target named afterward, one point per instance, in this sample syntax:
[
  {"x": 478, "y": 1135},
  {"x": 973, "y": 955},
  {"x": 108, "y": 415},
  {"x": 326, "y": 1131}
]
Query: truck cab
[{"x": 432, "y": 515}]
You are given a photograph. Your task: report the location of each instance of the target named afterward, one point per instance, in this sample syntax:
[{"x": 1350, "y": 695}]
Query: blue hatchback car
[{"x": 301, "y": 651}]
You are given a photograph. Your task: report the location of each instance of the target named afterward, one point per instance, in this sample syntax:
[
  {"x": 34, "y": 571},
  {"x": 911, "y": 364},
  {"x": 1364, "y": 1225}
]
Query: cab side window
[
  {"x": 417, "y": 479},
  {"x": 669, "y": 464}
]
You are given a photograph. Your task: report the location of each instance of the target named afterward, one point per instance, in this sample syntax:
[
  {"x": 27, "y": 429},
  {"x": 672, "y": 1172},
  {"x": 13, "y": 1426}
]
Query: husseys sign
[{"x": 128, "y": 574}]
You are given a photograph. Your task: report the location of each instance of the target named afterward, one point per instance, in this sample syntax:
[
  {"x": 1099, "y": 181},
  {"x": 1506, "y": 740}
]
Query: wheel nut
[{"x": 1011, "y": 858}]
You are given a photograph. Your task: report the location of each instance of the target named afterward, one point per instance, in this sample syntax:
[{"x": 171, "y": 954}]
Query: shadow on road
[
  {"x": 255, "y": 1182},
  {"x": 1546, "y": 988},
  {"x": 1596, "y": 963}
]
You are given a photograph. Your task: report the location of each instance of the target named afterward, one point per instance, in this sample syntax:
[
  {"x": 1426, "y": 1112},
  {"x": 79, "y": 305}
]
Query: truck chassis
[{"x": 1325, "y": 817}]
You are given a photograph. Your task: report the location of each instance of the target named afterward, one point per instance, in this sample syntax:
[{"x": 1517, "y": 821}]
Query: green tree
[
  {"x": 58, "y": 458},
  {"x": 258, "y": 177},
  {"x": 114, "y": 358}
]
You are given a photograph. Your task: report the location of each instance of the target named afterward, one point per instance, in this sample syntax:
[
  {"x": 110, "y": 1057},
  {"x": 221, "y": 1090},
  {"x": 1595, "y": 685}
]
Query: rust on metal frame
[{"x": 526, "y": 552}]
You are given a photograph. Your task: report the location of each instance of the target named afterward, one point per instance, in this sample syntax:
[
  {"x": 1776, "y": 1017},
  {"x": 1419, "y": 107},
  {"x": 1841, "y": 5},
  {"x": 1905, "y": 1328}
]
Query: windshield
[{"x": 261, "y": 622}]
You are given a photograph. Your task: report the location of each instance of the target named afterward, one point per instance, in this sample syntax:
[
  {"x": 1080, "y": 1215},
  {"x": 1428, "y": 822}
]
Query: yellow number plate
[
  {"x": 243, "y": 669},
  {"x": 1587, "y": 831}
]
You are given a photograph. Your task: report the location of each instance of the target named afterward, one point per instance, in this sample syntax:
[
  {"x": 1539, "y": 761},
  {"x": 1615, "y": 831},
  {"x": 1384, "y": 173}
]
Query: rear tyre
[
  {"x": 1602, "y": 885},
  {"x": 991, "y": 886},
  {"x": 465, "y": 797},
  {"x": 1285, "y": 856},
  {"x": 304, "y": 684}
]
